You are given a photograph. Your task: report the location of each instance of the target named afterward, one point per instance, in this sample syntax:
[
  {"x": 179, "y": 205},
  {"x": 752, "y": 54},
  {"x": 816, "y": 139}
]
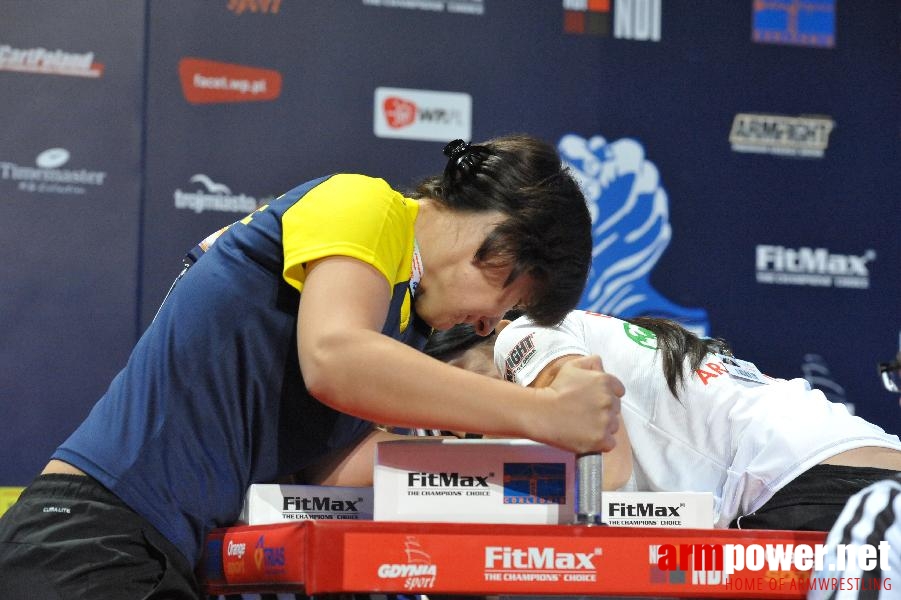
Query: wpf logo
[
  {"x": 422, "y": 114},
  {"x": 630, "y": 227}
]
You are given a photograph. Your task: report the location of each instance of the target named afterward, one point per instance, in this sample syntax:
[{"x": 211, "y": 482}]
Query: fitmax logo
[
  {"x": 642, "y": 509},
  {"x": 813, "y": 266},
  {"x": 810, "y": 260},
  {"x": 446, "y": 480},
  {"x": 534, "y": 557},
  {"x": 320, "y": 503}
]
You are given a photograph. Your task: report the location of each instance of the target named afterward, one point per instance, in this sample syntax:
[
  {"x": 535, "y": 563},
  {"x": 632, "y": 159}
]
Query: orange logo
[
  {"x": 212, "y": 82},
  {"x": 263, "y": 6}
]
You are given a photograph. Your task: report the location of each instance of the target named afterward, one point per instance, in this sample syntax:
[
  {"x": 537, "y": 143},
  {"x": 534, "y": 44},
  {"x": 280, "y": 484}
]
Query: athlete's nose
[{"x": 485, "y": 325}]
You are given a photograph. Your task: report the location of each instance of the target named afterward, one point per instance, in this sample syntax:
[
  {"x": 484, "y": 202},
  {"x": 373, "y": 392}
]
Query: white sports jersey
[{"x": 739, "y": 439}]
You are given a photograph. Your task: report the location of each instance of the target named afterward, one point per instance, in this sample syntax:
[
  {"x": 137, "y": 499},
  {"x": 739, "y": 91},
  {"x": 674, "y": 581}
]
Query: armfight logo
[
  {"x": 518, "y": 357},
  {"x": 813, "y": 266},
  {"x": 422, "y": 114},
  {"x": 47, "y": 176},
  {"x": 801, "y": 137},
  {"x": 49, "y": 62}
]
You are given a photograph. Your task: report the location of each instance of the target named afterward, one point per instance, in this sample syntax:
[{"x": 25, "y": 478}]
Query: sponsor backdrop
[{"x": 741, "y": 161}]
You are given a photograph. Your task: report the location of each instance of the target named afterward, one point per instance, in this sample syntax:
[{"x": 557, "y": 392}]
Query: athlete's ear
[{"x": 500, "y": 326}]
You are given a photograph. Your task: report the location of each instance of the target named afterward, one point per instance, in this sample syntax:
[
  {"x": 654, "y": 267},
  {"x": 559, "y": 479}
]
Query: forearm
[
  {"x": 348, "y": 364},
  {"x": 618, "y": 461},
  {"x": 371, "y": 376}
]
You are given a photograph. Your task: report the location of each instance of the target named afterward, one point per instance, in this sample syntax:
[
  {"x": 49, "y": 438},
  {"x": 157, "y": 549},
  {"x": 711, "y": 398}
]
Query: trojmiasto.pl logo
[{"x": 213, "y": 196}]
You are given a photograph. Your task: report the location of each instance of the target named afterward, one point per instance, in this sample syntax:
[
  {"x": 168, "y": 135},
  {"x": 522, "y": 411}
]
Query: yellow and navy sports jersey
[{"x": 212, "y": 398}]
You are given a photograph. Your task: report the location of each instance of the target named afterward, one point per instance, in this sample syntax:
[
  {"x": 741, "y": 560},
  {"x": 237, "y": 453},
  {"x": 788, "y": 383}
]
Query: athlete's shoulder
[
  {"x": 587, "y": 321},
  {"x": 356, "y": 183},
  {"x": 349, "y": 185}
]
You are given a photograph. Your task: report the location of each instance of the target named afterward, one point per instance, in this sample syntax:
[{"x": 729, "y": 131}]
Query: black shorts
[
  {"x": 69, "y": 537},
  {"x": 813, "y": 500}
]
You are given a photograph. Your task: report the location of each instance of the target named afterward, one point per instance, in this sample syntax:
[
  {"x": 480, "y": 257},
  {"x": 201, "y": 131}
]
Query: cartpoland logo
[
  {"x": 211, "y": 82},
  {"x": 49, "y": 62},
  {"x": 422, "y": 114}
]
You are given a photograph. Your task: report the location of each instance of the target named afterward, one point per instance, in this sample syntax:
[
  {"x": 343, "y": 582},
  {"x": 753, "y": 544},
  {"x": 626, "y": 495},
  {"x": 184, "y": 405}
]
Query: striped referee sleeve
[{"x": 871, "y": 517}]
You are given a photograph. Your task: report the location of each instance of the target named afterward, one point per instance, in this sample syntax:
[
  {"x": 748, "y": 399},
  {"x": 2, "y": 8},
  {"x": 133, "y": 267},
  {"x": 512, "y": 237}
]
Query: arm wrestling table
[{"x": 330, "y": 557}]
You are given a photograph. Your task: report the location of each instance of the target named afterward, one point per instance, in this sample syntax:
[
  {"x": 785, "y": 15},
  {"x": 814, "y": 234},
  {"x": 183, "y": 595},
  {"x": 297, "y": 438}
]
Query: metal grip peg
[{"x": 589, "y": 475}]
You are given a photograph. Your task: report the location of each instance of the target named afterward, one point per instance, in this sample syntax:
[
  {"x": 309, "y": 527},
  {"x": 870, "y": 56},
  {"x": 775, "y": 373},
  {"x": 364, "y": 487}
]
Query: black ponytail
[{"x": 676, "y": 344}]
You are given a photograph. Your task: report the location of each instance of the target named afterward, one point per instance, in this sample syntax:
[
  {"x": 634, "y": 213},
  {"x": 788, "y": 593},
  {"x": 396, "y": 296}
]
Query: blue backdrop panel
[
  {"x": 71, "y": 88},
  {"x": 790, "y": 251},
  {"x": 332, "y": 56}
]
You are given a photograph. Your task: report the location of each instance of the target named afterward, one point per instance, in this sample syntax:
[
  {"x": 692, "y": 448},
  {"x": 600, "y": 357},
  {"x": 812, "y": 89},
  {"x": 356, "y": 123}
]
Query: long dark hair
[
  {"x": 680, "y": 349},
  {"x": 676, "y": 344},
  {"x": 547, "y": 231},
  {"x": 448, "y": 344}
]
